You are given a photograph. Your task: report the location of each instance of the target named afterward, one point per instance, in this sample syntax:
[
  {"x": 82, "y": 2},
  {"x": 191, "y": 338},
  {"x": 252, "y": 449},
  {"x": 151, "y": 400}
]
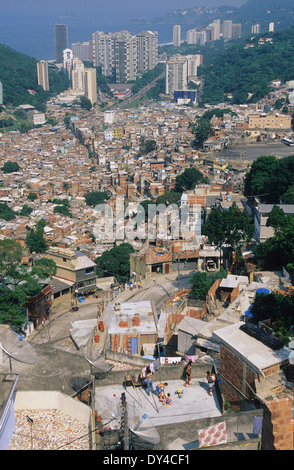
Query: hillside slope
[
  {"x": 242, "y": 71},
  {"x": 18, "y": 74}
]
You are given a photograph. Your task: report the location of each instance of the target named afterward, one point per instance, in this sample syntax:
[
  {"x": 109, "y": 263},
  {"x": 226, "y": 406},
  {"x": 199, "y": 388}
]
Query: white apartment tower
[
  {"x": 77, "y": 75},
  {"x": 43, "y": 77},
  {"x": 125, "y": 57},
  {"x": 271, "y": 27},
  {"x": 193, "y": 62},
  {"x": 255, "y": 28},
  {"x": 196, "y": 37},
  {"x": 103, "y": 52},
  {"x": 147, "y": 44},
  {"x": 176, "y": 74},
  {"x": 177, "y": 35},
  {"x": 227, "y": 29},
  {"x": 90, "y": 83},
  {"x": 67, "y": 56},
  {"x": 81, "y": 50}
]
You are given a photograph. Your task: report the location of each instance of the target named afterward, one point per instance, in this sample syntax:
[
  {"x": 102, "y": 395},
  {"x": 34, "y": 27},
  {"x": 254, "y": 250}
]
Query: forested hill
[
  {"x": 280, "y": 12},
  {"x": 242, "y": 70},
  {"x": 18, "y": 74}
]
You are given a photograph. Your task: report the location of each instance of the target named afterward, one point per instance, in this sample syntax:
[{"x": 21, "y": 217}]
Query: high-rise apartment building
[
  {"x": 67, "y": 57},
  {"x": 43, "y": 77},
  {"x": 121, "y": 55},
  {"x": 271, "y": 27},
  {"x": 255, "y": 28},
  {"x": 193, "y": 62},
  {"x": 125, "y": 57},
  {"x": 176, "y": 74},
  {"x": 1, "y": 93},
  {"x": 236, "y": 30},
  {"x": 61, "y": 41},
  {"x": 103, "y": 52},
  {"x": 196, "y": 37},
  {"x": 147, "y": 45},
  {"x": 227, "y": 29},
  {"x": 81, "y": 50},
  {"x": 77, "y": 75},
  {"x": 90, "y": 84},
  {"x": 177, "y": 35}
]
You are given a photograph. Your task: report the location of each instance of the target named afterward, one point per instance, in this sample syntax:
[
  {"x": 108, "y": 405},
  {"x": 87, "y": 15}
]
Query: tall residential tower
[
  {"x": 61, "y": 41},
  {"x": 43, "y": 77}
]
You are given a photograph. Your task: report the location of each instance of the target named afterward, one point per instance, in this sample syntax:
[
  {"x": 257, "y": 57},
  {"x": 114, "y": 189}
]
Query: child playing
[
  {"x": 168, "y": 400},
  {"x": 179, "y": 392}
]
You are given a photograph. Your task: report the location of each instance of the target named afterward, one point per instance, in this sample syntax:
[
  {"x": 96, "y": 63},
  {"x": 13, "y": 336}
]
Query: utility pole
[{"x": 125, "y": 422}]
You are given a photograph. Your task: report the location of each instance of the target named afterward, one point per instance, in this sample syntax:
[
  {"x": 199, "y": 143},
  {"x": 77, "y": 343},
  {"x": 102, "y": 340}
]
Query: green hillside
[
  {"x": 241, "y": 71},
  {"x": 18, "y": 74}
]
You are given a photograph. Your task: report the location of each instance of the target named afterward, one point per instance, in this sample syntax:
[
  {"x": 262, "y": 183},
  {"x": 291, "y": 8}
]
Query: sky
[{"x": 28, "y": 25}]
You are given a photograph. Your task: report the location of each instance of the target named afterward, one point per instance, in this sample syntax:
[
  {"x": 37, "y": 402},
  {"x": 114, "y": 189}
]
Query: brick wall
[
  {"x": 278, "y": 427},
  {"x": 232, "y": 370}
]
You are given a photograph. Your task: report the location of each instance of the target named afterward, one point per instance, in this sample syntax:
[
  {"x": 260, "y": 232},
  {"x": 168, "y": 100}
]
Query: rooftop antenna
[{"x": 16, "y": 347}]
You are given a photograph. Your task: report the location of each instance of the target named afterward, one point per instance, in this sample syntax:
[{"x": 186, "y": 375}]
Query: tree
[
  {"x": 188, "y": 180},
  {"x": 115, "y": 262},
  {"x": 270, "y": 178},
  {"x": 201, "y": 282},
  {"x": 147, "y": 146},
  {"x": 35, "y": 238},
  {"x": 93, "y": 198},
  {"x": 200, "y": 285},
  {"x": 288, "y": 197},
  {"x": 85, "y": 103},
  {"x": 278, "y": 309},
  {"x": 32, "y": 196},
  {"x": 231, "y": 227},
  {"x": 10, "y": 167},
  {"x": 65, "y": 186},
  {"x": 18, "y": 282},
  {"x": 259, "y": 179},
  {"x": 201, "y": 130},
  {"x": 6, "y": 212},
  {"x": 26, "y": 210},
  {"x": 277, "y": 251}
]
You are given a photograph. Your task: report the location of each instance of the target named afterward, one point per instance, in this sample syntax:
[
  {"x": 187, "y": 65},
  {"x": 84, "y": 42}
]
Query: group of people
[
  {"x": 146, "y": 378},
  {"x": 133, "y": 285},
  {"x": 210, "y": 376}
]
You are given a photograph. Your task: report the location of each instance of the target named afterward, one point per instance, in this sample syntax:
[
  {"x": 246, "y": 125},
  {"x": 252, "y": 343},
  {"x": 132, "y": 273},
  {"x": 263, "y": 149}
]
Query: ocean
[{"x": 34, "y": 36}]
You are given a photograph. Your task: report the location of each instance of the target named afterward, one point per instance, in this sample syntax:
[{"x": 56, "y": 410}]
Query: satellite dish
[
  {"x": 142, "y": 427},
  {"x": 16, "y": 347},
  {"x": 99, "y": 363}
]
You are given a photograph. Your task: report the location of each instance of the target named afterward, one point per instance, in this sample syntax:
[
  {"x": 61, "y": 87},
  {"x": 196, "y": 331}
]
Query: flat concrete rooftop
[{"x": 194, "y": 404}]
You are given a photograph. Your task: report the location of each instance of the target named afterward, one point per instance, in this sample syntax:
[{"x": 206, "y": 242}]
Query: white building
[
  {"x": 90, "y": 82},
  {"x": 176, "y": 76},
  {"x": 81, "y": 50},
  {"x": 227, "y": 29},
  {"x": 177, "y": 35},
  {"x": 67, "y": 56},
  {"x": 109, "y": 116},
  {"x": 43, "y": 77},
  {"x": 77, "y": 75},
  {"x": 147, "y": 44}
]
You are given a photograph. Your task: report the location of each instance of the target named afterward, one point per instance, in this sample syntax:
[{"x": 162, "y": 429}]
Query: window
[{"x": 89, "y": 270}]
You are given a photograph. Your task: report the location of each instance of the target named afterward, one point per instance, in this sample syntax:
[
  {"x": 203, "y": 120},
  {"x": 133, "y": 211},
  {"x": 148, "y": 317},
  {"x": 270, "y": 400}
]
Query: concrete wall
[
  {"x": 166, "y": 372},
  {"x": 53, "y": 400}
]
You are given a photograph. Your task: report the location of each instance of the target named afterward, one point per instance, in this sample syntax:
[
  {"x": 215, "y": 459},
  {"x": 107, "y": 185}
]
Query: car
[{"x": 210, "y": 265}]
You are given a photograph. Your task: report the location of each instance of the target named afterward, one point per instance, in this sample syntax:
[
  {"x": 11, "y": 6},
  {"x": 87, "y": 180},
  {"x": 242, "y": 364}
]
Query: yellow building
[
  {"x": 270, "y": 121},
  {"x": 220, "y": 165},
  {"x": 118, "y": 132}
]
